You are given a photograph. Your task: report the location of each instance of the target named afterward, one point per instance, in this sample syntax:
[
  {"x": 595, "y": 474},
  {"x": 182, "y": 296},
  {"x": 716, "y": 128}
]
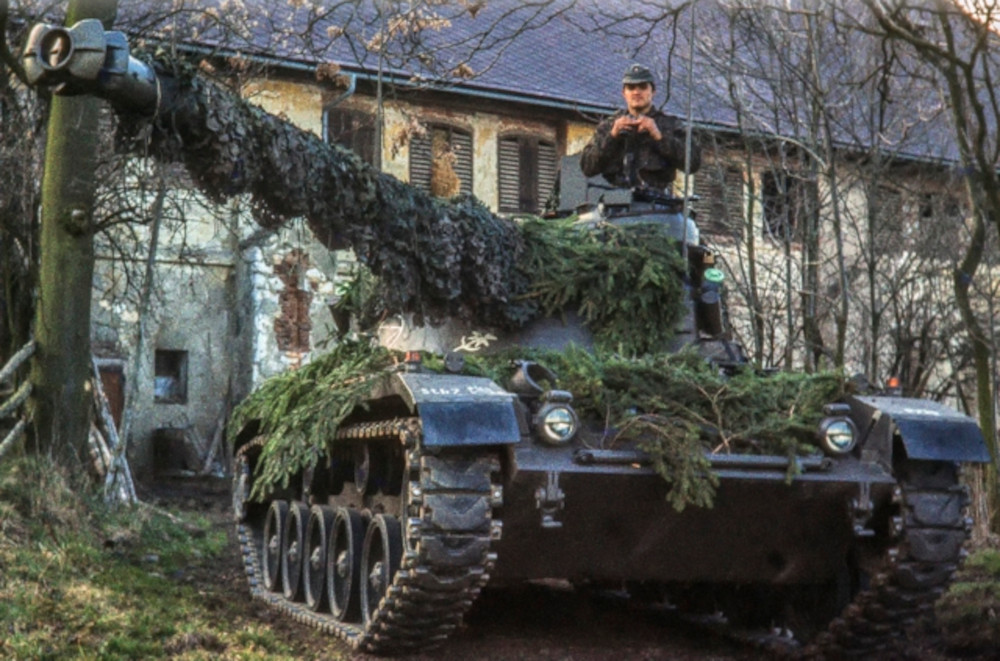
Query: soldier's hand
[
  {"x": 646, "y": 124},
  {"x": 641, "y": 124},
  {"x": 624, "y": 124}
]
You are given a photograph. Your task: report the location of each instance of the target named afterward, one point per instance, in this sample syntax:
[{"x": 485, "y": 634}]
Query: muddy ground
[{"x": 537, "y": 622}]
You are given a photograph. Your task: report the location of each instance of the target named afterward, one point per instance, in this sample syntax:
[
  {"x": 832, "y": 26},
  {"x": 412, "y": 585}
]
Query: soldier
[{"x": 638, "y": 146}]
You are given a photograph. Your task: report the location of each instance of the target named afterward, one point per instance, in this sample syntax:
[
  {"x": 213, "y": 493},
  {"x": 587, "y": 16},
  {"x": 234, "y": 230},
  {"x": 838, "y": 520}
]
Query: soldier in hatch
[{"x": 638, "y": 146}]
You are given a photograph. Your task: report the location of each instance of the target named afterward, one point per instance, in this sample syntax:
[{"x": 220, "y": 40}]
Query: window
[
  {"x": 721, "y": 188},
  {"x": 888, "y": 214},
  {"x": 353, "y": 129},
  {"x": 526, "y": 170},
  {"x": 932, "y": 233},
  {"x": 441, "y": 161},
  {"x": 940, "y": 206},
  {"x": 170, "y": 377},
  {"x": 783, "y": 200}
]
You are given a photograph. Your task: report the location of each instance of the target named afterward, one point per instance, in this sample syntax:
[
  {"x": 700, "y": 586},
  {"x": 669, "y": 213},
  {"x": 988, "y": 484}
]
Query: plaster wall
[
  {"x": 300, "y": 104},
  {"x": 577, "y": 136},
  {"x": 192, "y": 313},
  {"x": 316, "y": 277}
]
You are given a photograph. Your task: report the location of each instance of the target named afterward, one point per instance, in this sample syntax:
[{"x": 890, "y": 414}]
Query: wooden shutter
[
  {"x": 720, "y": 187},
  {"x": 508, "y": 175},
  {"x": 461, "y": 145},
  {"x": 421, "y": 156},
  {"x": 420, "y": 162},
  {"x": 548, "y": 166}
]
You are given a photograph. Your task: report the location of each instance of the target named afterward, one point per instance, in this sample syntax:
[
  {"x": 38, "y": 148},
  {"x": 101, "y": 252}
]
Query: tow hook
[
  {"x": 861, "y": 511},
  {"x": 550, "y": 499}
]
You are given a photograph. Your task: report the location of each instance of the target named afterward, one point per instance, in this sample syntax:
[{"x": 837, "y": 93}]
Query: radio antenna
[{"x": 687, "y": 132}]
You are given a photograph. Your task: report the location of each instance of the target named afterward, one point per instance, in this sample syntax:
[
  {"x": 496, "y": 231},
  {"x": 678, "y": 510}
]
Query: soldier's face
[{"x": 638, "y": 97}]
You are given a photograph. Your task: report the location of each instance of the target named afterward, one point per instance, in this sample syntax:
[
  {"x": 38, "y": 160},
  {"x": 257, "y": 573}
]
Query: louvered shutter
[
  {"x": 547, "y": 167},
  {"x": 508, "y": 175},
  {"x": 421, "y": 157},
  {"x": 420, "y": 162},
  {"x": 725, "y": 204},
  {"x": 461, "y": 145}
]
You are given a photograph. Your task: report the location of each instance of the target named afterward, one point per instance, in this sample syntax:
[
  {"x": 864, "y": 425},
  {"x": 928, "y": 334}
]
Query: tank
[
  {"x": 442, "y": 484},
  {"x": 438, "y": 483}
]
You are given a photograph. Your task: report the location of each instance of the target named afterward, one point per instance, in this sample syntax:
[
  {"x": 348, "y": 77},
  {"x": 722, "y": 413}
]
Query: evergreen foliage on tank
[
  {"x": 676, "y": 407},
  {"x": 625, "y": 283}
]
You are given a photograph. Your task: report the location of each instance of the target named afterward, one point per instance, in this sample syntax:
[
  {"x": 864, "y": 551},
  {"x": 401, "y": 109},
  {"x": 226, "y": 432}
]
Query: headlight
[
  {"x": 837, "y": 436},
  {"x": 556, "y": 423}
]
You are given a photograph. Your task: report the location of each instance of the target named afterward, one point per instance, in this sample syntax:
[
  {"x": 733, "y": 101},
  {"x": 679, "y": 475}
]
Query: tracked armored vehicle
[
  {"x": 440, "y": 483},
  {"x": 444, "y": 483}
]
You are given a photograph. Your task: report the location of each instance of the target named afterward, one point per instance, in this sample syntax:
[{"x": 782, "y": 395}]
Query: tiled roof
[{"x": 572, "y": 53}]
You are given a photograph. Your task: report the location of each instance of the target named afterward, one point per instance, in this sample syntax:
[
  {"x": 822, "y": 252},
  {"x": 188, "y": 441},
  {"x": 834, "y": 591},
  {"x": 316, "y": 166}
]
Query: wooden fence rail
[{"x": 10, "y": 406}]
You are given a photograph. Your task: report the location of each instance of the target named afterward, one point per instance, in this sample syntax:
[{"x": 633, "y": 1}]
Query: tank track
[
  {"x": 931, "y": 529},
  {"x": 447, "y": 529}
]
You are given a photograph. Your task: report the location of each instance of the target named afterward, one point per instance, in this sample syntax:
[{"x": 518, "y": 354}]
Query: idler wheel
[
  {"x": 321, "y": 519},
  {"x": 379, "y": 561},
  {"x": 293, "y": 551},
  {"x": 343, "y": 564},
  {"x": 274, "y": 527}
]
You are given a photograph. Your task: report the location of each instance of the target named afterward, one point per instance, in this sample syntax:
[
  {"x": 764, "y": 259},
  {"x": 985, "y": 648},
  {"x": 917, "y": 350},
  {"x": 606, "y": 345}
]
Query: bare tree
[
  {"x": 20, "y": 150},
  {"x": 958, "y": 45}
]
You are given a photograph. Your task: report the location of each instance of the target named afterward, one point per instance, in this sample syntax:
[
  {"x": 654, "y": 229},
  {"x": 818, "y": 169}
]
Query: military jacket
[{"x": 649, "y": 162}]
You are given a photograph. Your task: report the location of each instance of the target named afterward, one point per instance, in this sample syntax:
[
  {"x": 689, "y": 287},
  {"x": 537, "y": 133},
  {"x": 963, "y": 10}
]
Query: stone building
[{"x": 233, "y": 306}]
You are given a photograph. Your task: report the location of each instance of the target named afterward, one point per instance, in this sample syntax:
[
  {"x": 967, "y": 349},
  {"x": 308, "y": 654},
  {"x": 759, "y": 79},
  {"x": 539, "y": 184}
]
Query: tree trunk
[{"x": 61, "y": 370}]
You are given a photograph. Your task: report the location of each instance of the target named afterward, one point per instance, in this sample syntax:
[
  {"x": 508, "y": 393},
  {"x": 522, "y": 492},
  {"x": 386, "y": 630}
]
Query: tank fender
[
  {"x": 457, "y": 410},
  {"x": 928, "y": 430}
]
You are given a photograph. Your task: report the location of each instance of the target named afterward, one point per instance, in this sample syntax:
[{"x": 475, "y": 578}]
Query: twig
[
  {"x": 15, "y": 361},
  {"x": 13, "y": 435}
]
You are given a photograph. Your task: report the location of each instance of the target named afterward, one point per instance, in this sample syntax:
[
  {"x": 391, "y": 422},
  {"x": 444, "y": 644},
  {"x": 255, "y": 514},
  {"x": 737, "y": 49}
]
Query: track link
[
  {"x": 447, "y": 527},
  {"x": 932, "y": 528}
]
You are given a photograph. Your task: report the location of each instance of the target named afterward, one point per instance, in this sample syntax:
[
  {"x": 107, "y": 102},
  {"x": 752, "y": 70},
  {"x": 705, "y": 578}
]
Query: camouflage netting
[
  {"x": 436, "y": 258},
  {"x": 675, "y": 407}
]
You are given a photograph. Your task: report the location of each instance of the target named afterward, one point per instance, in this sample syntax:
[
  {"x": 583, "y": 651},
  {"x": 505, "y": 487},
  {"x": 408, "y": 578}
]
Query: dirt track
[{"x": 537, "y": 622}]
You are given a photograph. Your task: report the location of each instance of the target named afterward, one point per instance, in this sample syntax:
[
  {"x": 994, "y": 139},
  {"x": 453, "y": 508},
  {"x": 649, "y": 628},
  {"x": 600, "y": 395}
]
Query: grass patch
[
  {"x": 969, "y": 612},
  {"x": 80, "y": 581}
]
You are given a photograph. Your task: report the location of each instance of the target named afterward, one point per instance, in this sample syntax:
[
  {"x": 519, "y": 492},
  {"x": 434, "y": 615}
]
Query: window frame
[
  {"x": 360, "y": 138},
  {"x": 176, "y": 371},
  {"x": 783, "y": 204}
]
